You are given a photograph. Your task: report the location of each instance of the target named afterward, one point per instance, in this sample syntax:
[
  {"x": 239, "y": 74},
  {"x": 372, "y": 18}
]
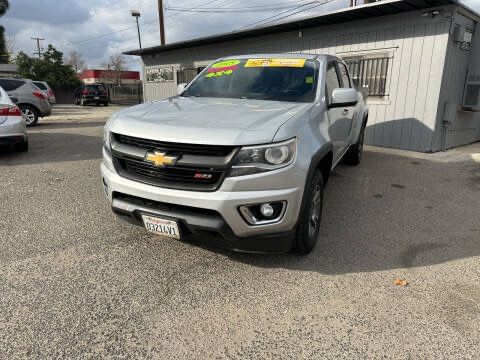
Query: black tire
[
  {"x": 308, "y": 228},
  {"x": 354, "y": 155},
  {"x": 97, "y": 104},
  {"x": 30, "y": 114},
  {"x": 105, "y": 104},
  {"x": 22, "y": 147}
]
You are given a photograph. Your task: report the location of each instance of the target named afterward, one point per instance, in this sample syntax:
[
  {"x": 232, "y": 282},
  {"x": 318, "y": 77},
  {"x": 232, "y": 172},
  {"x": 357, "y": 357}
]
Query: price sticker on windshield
[
  {"x": 298, "y": 63},
  {"x": 222, "y": 68},
  {"x": 219, "y": 73}
]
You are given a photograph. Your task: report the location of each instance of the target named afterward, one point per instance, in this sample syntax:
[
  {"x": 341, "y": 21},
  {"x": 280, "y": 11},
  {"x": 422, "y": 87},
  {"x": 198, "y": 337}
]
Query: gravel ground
[{"x": 76, "y": 283}]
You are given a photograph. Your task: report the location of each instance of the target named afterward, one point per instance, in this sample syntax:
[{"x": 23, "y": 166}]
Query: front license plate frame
[{"x": 161, "y": 226}]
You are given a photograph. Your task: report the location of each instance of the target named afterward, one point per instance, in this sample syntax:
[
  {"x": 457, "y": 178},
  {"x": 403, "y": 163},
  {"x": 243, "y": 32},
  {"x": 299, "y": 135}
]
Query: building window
[
  {"x": 159, "y": 74},
  {"x": 369, "y": 73},
  {"x": 184, "y": 76},
  {"x": 466, "y": 44}
]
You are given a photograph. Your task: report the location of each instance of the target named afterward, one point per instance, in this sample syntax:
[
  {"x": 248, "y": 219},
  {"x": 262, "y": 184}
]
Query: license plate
[
  {"x": 161, "y": 227},
  {"x": 96, "y": 98}
]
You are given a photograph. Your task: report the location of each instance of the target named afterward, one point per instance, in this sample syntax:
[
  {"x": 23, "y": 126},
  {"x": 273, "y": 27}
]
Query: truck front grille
[{"x": 199, "y": 167}]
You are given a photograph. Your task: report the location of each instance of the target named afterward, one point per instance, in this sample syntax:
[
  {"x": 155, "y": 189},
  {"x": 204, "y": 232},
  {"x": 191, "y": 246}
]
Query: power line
[
  {"x": 111, "y": 33},
  {"x": 312, "y": 7},
  {"x": 235, "y": 9},
  {"x": 195, "y": 7},
  {"x": 262, "y": 22}
]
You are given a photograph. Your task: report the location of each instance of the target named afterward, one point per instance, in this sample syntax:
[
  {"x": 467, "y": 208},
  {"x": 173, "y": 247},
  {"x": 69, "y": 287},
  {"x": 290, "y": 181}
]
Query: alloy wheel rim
[
  {"x": 29, "y": 116},
  {"x": 316, "y": 205}
]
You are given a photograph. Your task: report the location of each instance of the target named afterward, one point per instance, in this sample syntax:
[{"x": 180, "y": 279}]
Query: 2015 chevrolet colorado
[{"x": 241, "y": 156}]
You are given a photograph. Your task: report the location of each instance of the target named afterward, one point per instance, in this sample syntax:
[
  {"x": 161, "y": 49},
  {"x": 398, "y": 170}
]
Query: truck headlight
[
  {"x": 106, "y": 138},
  {"x": 262, "y": 158}
]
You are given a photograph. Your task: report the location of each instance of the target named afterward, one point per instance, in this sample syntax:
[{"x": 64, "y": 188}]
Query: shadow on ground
[
  {"x": 54, "y": 147},
  {"x": 390, "y": 213},
  {"x": 68, "y": 124}
]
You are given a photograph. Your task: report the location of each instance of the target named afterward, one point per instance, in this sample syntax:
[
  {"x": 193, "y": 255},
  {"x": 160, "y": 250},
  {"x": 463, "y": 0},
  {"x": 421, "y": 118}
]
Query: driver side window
[{"x": 331, "y": 81}]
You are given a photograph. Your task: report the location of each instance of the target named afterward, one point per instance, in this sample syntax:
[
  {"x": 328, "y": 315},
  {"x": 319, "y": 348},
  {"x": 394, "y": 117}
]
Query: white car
[{"x": 13, "y": 129}]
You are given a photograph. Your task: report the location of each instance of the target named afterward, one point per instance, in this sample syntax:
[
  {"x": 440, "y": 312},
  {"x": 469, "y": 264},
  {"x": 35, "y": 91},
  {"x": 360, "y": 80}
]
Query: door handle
[{"x": 345, "y": 111}]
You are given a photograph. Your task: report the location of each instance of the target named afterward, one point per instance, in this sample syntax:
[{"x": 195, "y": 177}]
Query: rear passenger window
[
  {"x": 331, "y": 80},
  {"x": 10, "y": 85},
  {"x": 40, "y": 85},
  {"x": 344, "y": 76}
]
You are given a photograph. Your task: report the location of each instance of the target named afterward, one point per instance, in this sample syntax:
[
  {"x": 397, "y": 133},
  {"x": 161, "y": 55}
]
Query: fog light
[
  {"x": 267, "y": 210},
  {"x": 262, "y": 214}
]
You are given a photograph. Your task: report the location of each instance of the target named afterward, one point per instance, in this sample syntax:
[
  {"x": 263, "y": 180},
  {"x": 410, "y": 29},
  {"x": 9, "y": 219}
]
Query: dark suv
[{"x": 92, "y": 94}]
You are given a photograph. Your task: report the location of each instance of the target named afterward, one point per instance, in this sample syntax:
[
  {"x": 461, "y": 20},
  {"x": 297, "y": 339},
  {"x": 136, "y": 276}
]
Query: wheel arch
[
  {"x": 30, "y": 106},
  {"x": 322, "y": 160}
]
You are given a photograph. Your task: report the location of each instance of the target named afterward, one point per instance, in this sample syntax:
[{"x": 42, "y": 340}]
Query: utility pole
[
  {"x": 38, "y": 45},
  {"x": 162, "y": 26}
]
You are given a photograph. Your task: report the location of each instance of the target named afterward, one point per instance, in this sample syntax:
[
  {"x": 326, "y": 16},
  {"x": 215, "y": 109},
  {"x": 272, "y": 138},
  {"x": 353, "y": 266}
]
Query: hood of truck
[{"x": 206, "y": 120}]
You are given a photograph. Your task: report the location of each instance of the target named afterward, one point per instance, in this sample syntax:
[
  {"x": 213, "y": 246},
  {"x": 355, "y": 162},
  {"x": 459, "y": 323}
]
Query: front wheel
[
  {"x": 30, "y": 115},
  {"x": 308, "y": 228},
  {"x": 354, "y": 154}
]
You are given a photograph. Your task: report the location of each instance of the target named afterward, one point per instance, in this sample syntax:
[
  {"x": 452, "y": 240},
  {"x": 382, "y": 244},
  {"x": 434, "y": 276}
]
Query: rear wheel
[
  {"x": 309, "y": 226},
  {"x": 105, "y": 104},
  {"x": 30, "y": 114},
  {"x": 22, "y": 147},
  {"x": 354, "y": 154}
]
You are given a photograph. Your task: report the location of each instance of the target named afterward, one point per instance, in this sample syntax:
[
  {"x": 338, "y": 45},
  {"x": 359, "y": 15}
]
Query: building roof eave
[{"x": 382, "y": 8}]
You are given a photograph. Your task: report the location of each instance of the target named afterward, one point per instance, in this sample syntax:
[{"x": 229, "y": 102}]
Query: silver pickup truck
[{"x": 241, "y": 156}]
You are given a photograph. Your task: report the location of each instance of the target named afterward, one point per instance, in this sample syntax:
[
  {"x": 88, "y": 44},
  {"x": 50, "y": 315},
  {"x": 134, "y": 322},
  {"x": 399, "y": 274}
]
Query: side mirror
[
  {"x": 343, "y": 97},
  {"x": 14, "y": 99},
  {"x": 181, "y": 88}
]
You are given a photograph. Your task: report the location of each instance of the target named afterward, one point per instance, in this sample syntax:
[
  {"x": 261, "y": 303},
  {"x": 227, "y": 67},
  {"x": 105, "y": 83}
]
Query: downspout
[{"x": 449, "y": 110}]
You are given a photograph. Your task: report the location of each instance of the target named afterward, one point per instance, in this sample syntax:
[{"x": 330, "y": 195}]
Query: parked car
[
  {"x": 47, "y": 90},
  {"x": 13, "y": 131},
  {"x": 241, "y": 155},
  {"x": 91, "y": 94},
  {"x": 31, "y": 100}
]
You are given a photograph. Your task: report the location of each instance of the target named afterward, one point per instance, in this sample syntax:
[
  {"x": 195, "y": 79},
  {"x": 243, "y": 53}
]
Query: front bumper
[{"x": 214, "y": 213}]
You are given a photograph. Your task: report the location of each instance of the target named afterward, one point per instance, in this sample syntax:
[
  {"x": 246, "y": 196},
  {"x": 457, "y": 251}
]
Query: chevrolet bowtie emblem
[{"x": 160, "y": 159}]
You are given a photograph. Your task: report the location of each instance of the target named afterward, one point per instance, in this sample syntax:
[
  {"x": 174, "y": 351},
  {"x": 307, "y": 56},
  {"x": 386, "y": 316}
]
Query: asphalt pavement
[{"x": 77, "y": 283}]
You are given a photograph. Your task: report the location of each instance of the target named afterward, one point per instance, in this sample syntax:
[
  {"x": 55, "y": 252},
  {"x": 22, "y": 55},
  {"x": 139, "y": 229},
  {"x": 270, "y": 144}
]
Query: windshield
[
  {"x": 289, "y": 79},
  {"x": 95, "y": 88}
]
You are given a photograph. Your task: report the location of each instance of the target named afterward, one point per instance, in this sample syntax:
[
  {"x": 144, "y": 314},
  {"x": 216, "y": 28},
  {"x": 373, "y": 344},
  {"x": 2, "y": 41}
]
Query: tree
[
  {"x": 116, "y": 64},
  {"x": 4, "y": 56},
  {"x": 76, "y": 61},
  {"x": 4, "y": 5},
  {"x": 49, "y": 68}
]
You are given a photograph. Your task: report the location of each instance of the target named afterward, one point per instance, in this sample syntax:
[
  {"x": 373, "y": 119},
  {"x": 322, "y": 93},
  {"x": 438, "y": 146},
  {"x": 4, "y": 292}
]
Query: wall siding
[
  {"x": 406, "y": 119},
  {"x": 464, "y": 127}
]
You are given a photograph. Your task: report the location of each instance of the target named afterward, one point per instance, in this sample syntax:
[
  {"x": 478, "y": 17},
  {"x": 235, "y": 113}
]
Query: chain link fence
[{"x": 126, "y": 94}]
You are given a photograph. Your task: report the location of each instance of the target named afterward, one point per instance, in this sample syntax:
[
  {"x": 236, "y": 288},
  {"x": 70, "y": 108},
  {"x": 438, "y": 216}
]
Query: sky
[{"x": 100, "y": 28}]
